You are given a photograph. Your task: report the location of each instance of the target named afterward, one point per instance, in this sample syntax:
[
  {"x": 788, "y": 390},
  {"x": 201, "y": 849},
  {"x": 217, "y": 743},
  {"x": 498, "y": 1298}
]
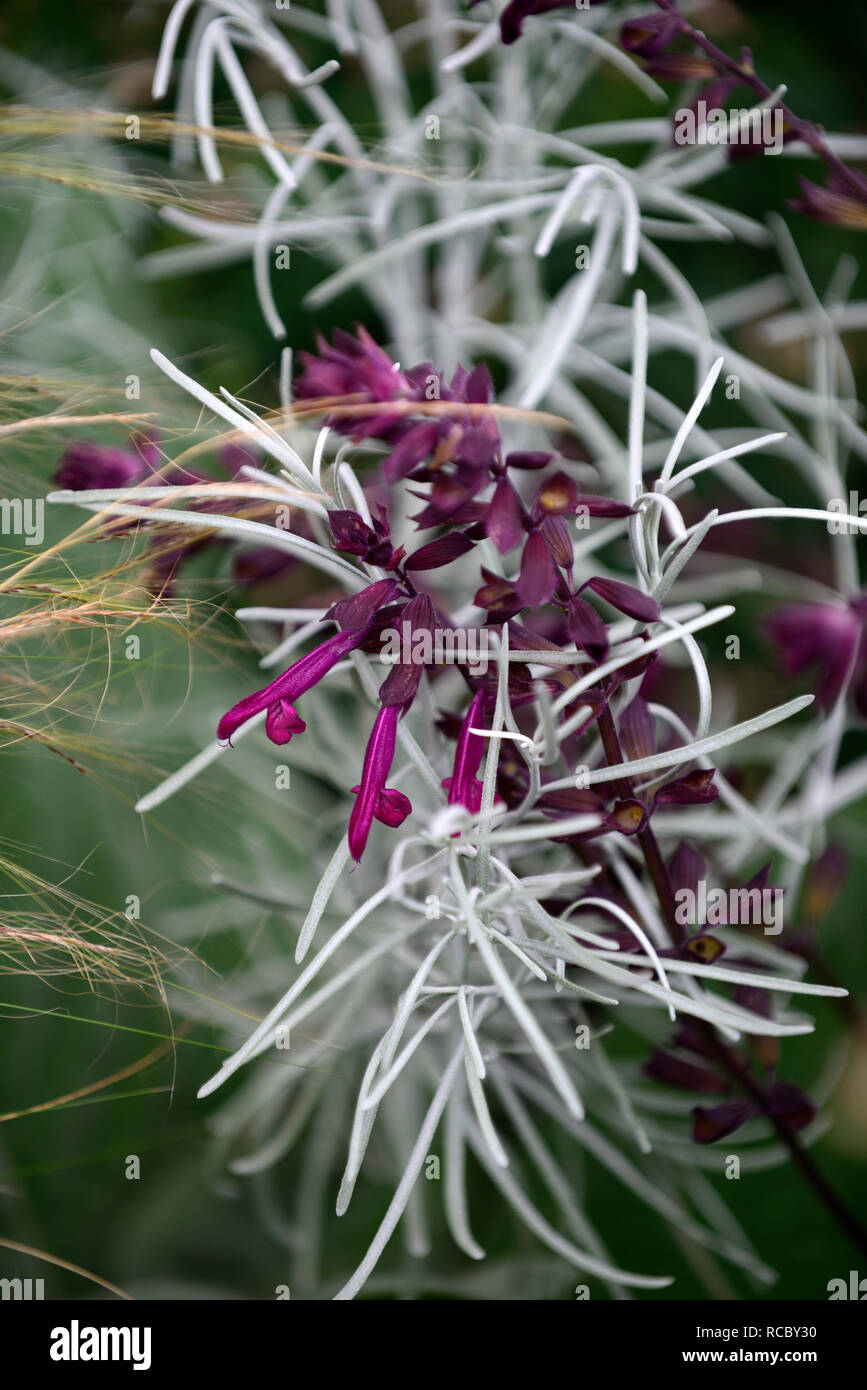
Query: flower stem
[
  {"x": 808, "y": 131},
  {"x": 739, "y": 1074}
]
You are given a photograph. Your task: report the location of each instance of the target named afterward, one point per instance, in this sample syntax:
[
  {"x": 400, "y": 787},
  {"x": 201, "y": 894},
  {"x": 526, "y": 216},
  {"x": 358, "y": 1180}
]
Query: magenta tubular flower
[
  {"x": 376, "y": 801},
  {"x": 464, "y": 787},
  {"x": 356, "y": 367},
  {"x": 302, "y": 675},
  {"x": 356, "y": 615}
]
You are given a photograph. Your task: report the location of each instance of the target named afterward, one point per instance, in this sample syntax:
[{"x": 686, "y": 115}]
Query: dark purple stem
[
  {"x": 738, "y": 1073},
  {"x": 808, "y": 131}
]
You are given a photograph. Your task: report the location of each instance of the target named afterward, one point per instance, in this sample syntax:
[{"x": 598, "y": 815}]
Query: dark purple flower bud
[
  {"x": 527, "y": 460},
  {"x": 843, "y": 201},
  {"x": 587, "y": 628},
  {"x": 538, "y": 577},
  {"x": 785, "y": 1100},
  {"x": 686, "y": 1076},
  {"x": 439, "y": 552},
  {"x": 589, "y": 505},
  {"x": 650, "y": 33},
  {"x": 505, "y": 520},
  {"x": 375, "y": 801},
  {"x": 680, "y": 67},
  {"x": 695, "y": 789},
  {"x": 447, "y": 497},
  {"x": 789, "y": 1103},
  {"x": 351, "y": 533},
  {"x": 513, "y": 16},
  {"x": 720, "y": 1120},
  {"x": 356, "y": 612},
  {"x": 88, "y": 465},
  {"x": 625, "y": 598},
  {"x": 824, "y": 637}
]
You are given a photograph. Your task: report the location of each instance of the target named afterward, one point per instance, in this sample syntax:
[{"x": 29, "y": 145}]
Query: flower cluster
[
  {"x": 87, "y": 466},
  {"x": 670, "y": 49}
]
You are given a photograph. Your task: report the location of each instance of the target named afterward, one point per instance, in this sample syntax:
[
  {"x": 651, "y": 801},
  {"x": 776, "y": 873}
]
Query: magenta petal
[
  {"x": 463, "y": 787},
  {"x": 504, "y": 523},
  {"x": 283, "y": 721},
  {"x": 538, "y": 576},
  {"x": 377, "y": 765},
  {"x": 393, "y": 808},
  {"x": 301, "y": 676}
]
